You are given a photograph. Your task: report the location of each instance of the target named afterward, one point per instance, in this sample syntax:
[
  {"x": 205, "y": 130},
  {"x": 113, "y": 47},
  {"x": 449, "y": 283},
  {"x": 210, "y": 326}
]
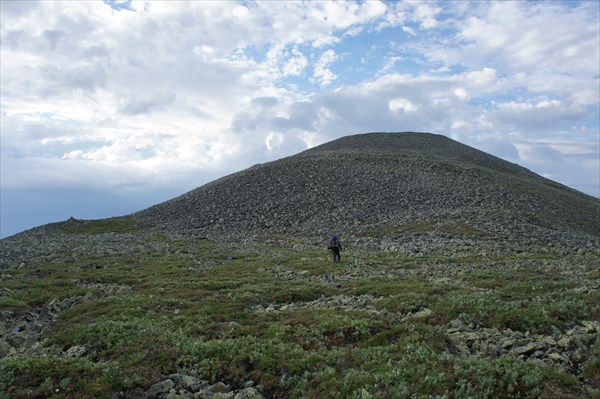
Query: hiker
[{"x": 335, "y": 246}]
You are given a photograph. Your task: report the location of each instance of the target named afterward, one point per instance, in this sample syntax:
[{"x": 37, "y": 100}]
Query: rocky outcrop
[
  {"x": 23, "y": 331},
  {"x": 567, "y": 350},
  {"x": 185, "y": 386}
]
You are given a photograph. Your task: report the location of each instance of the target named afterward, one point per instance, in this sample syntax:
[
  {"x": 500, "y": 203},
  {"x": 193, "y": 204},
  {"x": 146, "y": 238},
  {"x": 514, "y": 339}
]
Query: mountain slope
[
  {"x": 389, "y": 180},
  {"x": 461, "y": 273}
]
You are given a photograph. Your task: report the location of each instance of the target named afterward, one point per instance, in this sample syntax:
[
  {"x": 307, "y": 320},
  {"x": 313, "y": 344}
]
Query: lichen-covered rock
[
  {"x": 161, "y": 389},
  {"x": 76, "y": 351},
  {"x": 248, "y": 393}
]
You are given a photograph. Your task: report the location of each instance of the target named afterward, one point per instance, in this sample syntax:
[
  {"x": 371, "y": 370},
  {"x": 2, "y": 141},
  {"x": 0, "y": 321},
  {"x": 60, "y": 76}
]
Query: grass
[
  {"x": 195, "y": 308},
  {"x": 111, "y": 225}
]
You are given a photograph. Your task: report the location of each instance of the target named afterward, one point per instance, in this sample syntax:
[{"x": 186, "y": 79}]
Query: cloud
[
  {"x": 150, "y": 94},
  {"x": 401, "y": 104},
  {"x": 323, "y": 73},
  {"x": 294, "y": 66},
  {"x": 136, "y": 105},
  {"x": 493, "y": 144},
  {"x": 516, "y": 36},
  {"x": 425, "y": 15},
  {"x": 573, "y": 164},
  {"x": 536, "y": 115},
  {"x": 266, "y": 102}
]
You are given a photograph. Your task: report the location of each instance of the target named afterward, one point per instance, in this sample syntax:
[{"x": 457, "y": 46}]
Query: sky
[{"x": 110, "y": 107}]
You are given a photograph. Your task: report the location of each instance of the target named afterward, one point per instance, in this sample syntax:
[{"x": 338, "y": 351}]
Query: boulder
[
  {"x": 219, "y": 387},
  {"x": 161, "y": 388},
  {"x": 76, "y": 351},
  {"x": 248, "y": 393},
  {"x": 423, "y": 314}
]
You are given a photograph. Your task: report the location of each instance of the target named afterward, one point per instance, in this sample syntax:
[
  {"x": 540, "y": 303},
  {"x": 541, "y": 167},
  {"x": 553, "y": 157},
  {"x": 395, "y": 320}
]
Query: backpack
[{"x": 334, "y": 243}]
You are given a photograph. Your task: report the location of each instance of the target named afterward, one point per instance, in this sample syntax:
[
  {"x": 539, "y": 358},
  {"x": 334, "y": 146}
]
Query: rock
[
  {"x": 161, "y": 388},
  {"x": 76, "y": 351},
  {"x": 219, "y": 387},
  {"x": 248, "y": 393},
  {"x": 17, "y": 340},
  {"x": 508, "y": 343},
  {"x": 460, "y": 345},
  {"x": 223, "y": 395},
  {"x": 182, "y": 394},
  {"x": 579, "y": 355},
  {"x": 591, "y": 326},
  {"x": 565, "y": 342},
  {"x": 557, "y": 357},
  {"x": 456, "y": 325},
  {"x": 538, "y": 354},
  {"x": 6, "y": 349},
  {"x": 556, "y": 333},
  {"x": 526, "y": 349},
  {"x": 494, "y": 350},
  {"x": 421, "y": 315},
  {"x": 471, "y": 337},
  {"x": 192, "y": 384}
]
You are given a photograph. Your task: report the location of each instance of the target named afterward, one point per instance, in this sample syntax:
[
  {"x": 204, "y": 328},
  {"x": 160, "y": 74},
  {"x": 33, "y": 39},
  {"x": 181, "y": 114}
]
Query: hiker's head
[{"x": 335, "y": 237}]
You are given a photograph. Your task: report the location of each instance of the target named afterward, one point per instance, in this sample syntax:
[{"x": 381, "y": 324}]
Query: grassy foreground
[{"x": 265, "y": 313}]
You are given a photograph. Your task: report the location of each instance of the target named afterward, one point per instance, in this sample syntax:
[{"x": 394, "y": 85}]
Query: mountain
[
  {"x": 462, "y": 275},
  {"x": 390, "y": 182}
]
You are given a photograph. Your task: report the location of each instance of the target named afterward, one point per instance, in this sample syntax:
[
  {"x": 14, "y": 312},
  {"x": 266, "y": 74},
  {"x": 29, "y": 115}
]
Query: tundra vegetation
[{"x": 119, "y": 308}]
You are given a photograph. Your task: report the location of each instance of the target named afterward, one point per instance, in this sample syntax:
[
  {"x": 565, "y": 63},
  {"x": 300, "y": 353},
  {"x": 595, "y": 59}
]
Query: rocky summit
[
  {"x": 462, "y": 276},
  {"x": 382, "y": 181}
]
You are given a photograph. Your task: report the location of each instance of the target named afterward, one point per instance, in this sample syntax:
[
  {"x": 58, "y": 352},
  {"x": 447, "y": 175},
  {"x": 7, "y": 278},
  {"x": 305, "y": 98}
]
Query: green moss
[
  {"x": 12, "y": 303},
  {"x": 112, "y": 225},
  {"x": 49, "y": 376},
  {"x": 36, "y": 292}
]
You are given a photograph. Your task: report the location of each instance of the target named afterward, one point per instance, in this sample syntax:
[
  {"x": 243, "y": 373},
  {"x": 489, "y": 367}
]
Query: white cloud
[
  {"x": 162, "y": 92},
  {"x": 401, "y": 104},
  {"x": 484, "y": 79},
  {"x": 343, "y": 14},
  {"x": 536, "y": 115},
  {"x": 425, "y": 14},
  {"x": 295, "y": 65},
  {"x": 536, "y": 36},
  {"x": 323, "y": 73},
  {"x": 273, "y": 140},
  {"x": 461, "y": 93},
  {"x": 409, "y": 30}
]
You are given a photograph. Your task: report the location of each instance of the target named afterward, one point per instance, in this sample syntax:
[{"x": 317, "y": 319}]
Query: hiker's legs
[{"x": 336, "y": 255}]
